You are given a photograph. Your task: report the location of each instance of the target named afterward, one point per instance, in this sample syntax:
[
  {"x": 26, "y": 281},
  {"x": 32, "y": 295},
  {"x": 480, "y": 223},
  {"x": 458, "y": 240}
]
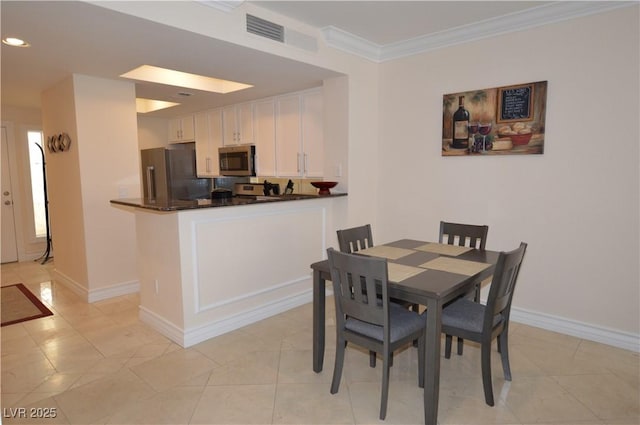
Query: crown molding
[
  {"x": 350, "y": 43},
  {"x": 223, "y": 5},
  {"x": 518, "y": 21}
]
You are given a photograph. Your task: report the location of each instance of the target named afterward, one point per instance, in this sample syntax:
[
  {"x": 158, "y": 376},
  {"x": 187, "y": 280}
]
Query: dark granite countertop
[{"x": 181, "y": 205}]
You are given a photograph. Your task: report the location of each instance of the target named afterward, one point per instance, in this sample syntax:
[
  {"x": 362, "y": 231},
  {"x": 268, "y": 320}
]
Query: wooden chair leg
[
  {"x": 476, "y": 294},
  {"x": 421, "y": 362},
  {"x": 385, "y": 385},
  {"x": 503, "y": 348},
  {"x": 339, "y": 362},
  {"x": 447, "y": 346},
  {"x": 485, "y": 360},
  {"x": 372, "y": 358}
]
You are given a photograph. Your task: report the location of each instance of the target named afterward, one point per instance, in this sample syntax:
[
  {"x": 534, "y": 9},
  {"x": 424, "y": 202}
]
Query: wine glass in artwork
[
  {"x": 473, "y": 130},
  {"x": 484, "y": 129}
]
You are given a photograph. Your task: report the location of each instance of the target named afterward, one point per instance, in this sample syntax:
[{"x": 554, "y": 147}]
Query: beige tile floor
[{"x": 98, "y": 364}]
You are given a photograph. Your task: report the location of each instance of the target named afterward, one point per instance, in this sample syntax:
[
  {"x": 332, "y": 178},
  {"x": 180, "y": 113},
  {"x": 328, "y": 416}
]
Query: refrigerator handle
[{"x": 151, "y": 174}]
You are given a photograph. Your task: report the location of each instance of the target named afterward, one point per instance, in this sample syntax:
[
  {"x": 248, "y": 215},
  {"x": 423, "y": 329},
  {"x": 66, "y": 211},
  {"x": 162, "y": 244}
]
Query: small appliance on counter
[
  {"x": 289, "y": 189},
  {"x": 220, "y": 193},
  {"x": 257, "y": 189}
]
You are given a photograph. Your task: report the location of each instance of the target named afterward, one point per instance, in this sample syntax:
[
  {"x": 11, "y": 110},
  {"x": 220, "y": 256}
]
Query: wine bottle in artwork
[{"x": 460, "y": 126}]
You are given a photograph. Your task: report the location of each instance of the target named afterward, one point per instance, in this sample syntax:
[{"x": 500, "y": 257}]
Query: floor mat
[{"x": 20, "y": 305}]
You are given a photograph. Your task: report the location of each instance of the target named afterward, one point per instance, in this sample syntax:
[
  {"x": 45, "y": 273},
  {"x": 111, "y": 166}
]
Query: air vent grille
[{"x": 265, "y": 28}]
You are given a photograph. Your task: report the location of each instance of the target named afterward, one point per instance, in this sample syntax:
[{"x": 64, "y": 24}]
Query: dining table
[{"x": 426, "y": 273}]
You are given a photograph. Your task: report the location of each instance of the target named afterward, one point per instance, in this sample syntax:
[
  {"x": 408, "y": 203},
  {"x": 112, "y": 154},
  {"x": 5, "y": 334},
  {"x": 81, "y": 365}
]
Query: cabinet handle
[
  {"x": 208, "y": 167},
  {"x": 306, "y": 167},
  {"x": 298, "y": 162}
]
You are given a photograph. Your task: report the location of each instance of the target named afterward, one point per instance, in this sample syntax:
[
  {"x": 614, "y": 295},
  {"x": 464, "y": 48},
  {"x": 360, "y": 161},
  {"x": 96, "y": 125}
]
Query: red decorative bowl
[
  {"x": 324, "y": 187},
  {"x": 518, "y": 139}
]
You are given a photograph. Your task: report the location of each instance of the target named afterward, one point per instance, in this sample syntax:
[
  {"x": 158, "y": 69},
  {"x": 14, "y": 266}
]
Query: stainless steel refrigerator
[{"x": 170, "y": 174}]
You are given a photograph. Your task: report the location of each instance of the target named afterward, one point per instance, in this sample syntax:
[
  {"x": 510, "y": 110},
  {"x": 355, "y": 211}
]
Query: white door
[{"x": 9, "y": 244}]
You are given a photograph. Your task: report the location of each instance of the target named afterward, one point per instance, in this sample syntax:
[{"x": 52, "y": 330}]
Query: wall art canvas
[{"x": 507, "y": 120}]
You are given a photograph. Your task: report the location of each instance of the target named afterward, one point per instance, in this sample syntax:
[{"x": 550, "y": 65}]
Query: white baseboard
[
  {"x": 588, "y": 331},
  {"x": 71, "y": 284},
  {"x": 93, "y": 295},
  {"x": 160, "y": 324},
  {"x": 116, "y": 290},
  {"x": 187, "y": 338}
]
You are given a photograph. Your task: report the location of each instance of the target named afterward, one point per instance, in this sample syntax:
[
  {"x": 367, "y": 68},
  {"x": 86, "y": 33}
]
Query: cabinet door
[
  {"x": 265, "y": 137},
  {"x": 174, "y": 130},
  {"x": 244, "y": 122},
  {"x": 229, "y": 126},
  {"x": 312, "y": 134},
  {"x": 203, "y": 168},
  {"x": 215, "y": 139},
  {"x": 182, "y": 129},
  {"x": 288, "y": 149},
  {"x": 188, "y": 128}
]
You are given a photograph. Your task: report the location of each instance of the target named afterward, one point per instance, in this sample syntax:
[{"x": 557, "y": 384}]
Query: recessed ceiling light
[
  {"x": 149, "y": 105},
  {"x": 15, "y": 42},
  {"x": 170, "y": 77}
]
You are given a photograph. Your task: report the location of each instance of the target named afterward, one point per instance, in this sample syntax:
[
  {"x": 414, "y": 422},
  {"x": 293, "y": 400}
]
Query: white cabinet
[
  {"x": 299, "y": 136},
  {"x": 208, "y": 135},
  {"x": 312, "y": 134},
  {"x": 265, "y": 137},
  {"x": 182, "y": 129},
  {"x": 237, "y": 124}
]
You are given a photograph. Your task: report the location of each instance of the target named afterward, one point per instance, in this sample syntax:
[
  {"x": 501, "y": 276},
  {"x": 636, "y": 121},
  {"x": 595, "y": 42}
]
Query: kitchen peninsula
[{"x": 208, "y": 267}]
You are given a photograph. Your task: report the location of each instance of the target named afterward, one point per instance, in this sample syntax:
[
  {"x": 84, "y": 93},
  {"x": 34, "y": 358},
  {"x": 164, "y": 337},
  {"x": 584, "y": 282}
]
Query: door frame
[{"x": 11, "y": 188}]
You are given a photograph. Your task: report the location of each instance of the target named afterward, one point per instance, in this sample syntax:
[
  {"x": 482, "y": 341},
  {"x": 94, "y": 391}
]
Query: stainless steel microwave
[{"x": 237, "y": 160}]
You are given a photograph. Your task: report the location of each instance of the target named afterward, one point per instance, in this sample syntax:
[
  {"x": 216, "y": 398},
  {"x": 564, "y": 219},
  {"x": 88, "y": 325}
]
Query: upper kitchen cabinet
[
  {"x": 182, "y": 129},
  {"x": 264, "y": 118},
  {"x": 299, "y": 135},
  {"x": 237, "y": 124},
  {"x": 208, "y": 140}
]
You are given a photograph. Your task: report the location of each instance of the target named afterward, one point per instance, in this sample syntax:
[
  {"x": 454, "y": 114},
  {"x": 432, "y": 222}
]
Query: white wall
[
  {"x": 576, "y": 205},
  {"x": 94, "y": 242},
  {"x": 109, "y": 167},
  {"x": 65, "y": 194}
]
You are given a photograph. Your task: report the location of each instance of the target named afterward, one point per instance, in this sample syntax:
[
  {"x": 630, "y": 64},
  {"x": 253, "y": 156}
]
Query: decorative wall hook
[{"x": 58, "y": 142}]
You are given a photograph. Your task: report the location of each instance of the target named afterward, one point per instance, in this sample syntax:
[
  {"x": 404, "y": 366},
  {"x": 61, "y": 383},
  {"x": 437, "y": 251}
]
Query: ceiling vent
[{"x": 264, "y": 28}]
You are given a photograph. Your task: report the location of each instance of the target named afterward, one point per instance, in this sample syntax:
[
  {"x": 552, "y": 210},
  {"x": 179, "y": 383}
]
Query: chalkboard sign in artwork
[
  {"x": 515, "y": 103},
  {"x": 498, "y": 121}
]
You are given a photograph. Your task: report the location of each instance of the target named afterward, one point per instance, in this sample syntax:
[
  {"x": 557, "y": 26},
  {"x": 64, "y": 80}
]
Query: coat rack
[{"x": 46, "y": 255}]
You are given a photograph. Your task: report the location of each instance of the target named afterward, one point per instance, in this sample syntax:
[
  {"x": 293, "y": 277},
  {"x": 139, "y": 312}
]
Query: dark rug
[{"x": 18, "y": 304}]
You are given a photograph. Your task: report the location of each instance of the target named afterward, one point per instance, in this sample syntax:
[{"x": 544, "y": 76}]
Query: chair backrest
[
  {"x": 355, "y": 276},
  {"x": 471, "y": 235},
  {"x": 355, "y": 239},
  {"x": 503, "y": 285}
]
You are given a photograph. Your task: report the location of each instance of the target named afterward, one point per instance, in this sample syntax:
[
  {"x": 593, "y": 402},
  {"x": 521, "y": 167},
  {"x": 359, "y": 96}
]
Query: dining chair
[
  {"x": 356, "y": 239},
  {"x": 374, "y": 323},
  {"x": 482, "y": 323},
  {"x": 470, "y": 235}
]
